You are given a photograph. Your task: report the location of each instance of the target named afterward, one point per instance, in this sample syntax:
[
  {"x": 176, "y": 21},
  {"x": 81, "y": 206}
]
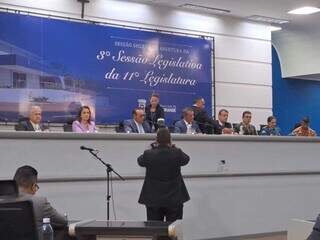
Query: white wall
[
  {"x": 243, "y": 49},
  {"x": 298, "y": 48}
]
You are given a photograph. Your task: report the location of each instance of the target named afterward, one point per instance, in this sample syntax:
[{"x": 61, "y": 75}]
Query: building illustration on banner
[{"x": 25, "y": 80}]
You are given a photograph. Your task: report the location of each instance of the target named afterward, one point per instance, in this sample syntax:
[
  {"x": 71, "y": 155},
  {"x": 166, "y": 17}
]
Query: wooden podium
[{"x": 123, "y": 230}]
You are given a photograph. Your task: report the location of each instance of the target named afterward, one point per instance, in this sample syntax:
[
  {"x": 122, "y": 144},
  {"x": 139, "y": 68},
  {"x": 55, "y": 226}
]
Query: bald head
[{"x": 35, "y": 114}]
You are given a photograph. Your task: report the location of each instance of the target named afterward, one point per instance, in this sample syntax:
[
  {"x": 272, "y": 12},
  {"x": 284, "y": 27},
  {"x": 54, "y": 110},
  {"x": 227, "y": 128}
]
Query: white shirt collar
[
  {"x": 188, "y": 124},
  {"x": 35, "y": 126},
  {"x": 138, "y": 126}
]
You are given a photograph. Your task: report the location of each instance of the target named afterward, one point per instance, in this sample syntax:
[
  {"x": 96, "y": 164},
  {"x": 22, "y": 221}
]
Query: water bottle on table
[{"x": 46, "y": 231}]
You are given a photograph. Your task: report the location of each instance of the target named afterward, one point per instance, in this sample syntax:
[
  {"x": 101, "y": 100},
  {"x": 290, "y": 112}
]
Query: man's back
[
  {"x": 43, "y": 209},
  {"x": 202, "y": 118},
  {"x": 163, "y": 183}
]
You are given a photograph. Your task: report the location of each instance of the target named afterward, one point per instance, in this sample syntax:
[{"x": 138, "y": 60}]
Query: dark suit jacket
[
  {"x": 163, "y": 184},
  {"x": 159, "y": 113},
  {"x": 181, "y": 127},
  {"x": 202, "y": 118},
  {"x": 315, "y": 234},
  {"x": 131, "y": 127},
  {"x": 217, "y": 128},
  {"x": 27, "y": 126}
]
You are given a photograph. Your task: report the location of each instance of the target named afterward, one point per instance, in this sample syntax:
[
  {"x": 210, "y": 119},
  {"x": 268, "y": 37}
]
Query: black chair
[
  {"x": 21, "y": 119},
  {"x": 17, "y": 221},
  {"x": 171, "y": 127},
  {"x": 67, "y": 127},
  {"x": 262, "y": 126},
  {"x": 120, "y": 127},
  {"x": 8, "y": 189}
]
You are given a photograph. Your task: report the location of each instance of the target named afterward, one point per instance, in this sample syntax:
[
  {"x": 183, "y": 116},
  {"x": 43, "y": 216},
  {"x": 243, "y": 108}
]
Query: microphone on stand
[{"x": 88, "y": 149}]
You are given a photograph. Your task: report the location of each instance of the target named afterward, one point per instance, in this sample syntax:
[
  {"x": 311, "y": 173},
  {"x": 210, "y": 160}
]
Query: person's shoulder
[
  {"x": 24, "y": 123},
  {"x": 215, "y": 122},
  {"x": 147, "y": 108},
  {"x": 128, "y": 122},
  {"x": 179, "y": 122},
  {"x": 76, "y": 122},
  {"x": 297, "y": 129},
  {"x": 37, "y": 199}
]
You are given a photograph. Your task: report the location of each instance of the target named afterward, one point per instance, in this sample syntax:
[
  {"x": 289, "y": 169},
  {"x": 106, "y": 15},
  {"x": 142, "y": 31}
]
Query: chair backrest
[
  {"x": 120, "y": 127},
  {"x": 8, "y": 189},
  {"x": 17, "y": 221}
]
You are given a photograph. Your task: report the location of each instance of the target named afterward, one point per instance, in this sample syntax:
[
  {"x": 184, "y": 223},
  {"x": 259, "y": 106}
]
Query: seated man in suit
[
  {"x": 138, "y": 123},
  {"x": 245, "y": 128},
  {"x": 201, "y": 116},
  {"x": 187, "y": 125},
  {"x": 221, "y": 126},
  {"x": 26, "y": 178},
  {"x": 34, "y": 121}
]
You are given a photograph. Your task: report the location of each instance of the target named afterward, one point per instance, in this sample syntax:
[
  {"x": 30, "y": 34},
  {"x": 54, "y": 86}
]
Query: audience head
[
  {"x": 35, "y": 114},
  {"x": 26, "y": 178},
  {"x": 246, "y": 117},
  {"x": 84, "y": 114},
  {"x": 305, "y": 123},
  {"x": 272, "y": 122},
  {"x": 199, "y": 102},
  {"x": 138, "y": 115},
  {"x": 154, "y": 100},
  {"x": 223, "y": 115},
  {"x": 163, "y": 137},
  {"x": 188, "y": 115}
]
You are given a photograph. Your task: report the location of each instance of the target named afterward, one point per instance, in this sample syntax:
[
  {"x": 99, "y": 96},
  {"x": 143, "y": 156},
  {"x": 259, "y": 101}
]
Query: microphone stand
[{"x": 109, "y": 169}]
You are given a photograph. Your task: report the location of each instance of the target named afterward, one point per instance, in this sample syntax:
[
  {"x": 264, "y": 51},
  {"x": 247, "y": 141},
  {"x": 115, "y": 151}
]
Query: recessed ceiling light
[
  {"x": 205, "y": 8},
  {"x": 304, "y": 10},
  {"x": 265, "y": 19},
  {"x": 275, "y": 28}
]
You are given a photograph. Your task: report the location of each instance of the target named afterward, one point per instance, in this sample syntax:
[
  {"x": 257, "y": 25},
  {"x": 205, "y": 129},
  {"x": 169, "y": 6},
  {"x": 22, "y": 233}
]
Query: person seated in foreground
[
  {"x": 245, "y": 128},
  {"x": 138, "y": 123},
  {"x": 222, "y": 126},
  {"x": 33, "y": 123},
  {"x": 187, "y": 125},
  {"x": 304, "y": 130},
  {"x": 26, "y": 178},
  {"x": 84, "y": 124},
  {"x": 271, "y": 129}
]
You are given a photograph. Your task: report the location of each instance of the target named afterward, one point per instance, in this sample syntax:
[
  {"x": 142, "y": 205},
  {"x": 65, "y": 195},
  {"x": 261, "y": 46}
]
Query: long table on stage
[{"x": 265, "y": 181}]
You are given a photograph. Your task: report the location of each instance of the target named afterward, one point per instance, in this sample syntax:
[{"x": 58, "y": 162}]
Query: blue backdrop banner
[{"x": 61, "y": 65}]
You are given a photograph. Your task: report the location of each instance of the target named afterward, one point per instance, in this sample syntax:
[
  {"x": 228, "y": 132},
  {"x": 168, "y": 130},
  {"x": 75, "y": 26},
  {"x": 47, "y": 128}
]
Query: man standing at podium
[{"x": 163, "y": 191}]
